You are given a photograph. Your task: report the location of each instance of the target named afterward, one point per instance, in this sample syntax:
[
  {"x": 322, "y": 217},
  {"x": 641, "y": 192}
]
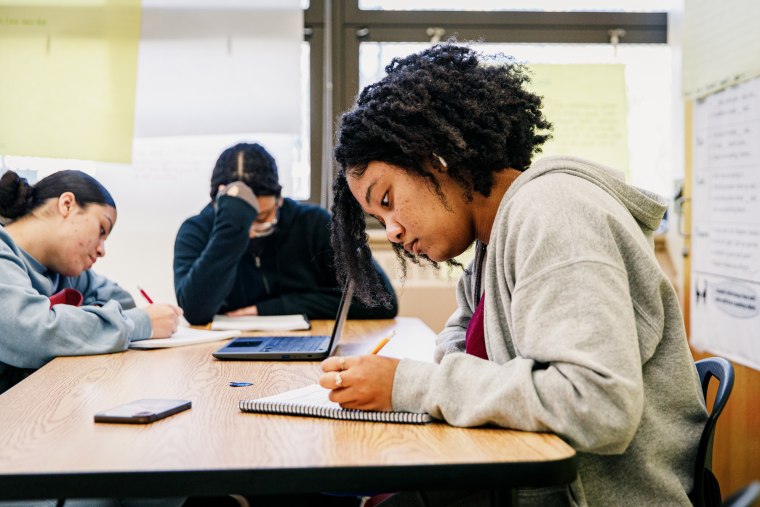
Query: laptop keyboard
[
  {"x": 281, "y": 343},
  {"x": 309, "y": 344}
]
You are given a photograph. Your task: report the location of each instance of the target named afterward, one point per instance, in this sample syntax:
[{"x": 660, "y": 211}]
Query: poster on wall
[
  {"x": 725, "y": 276},
  {"x": 68, "y": 79},
  {"x": 587, "y": 106}
]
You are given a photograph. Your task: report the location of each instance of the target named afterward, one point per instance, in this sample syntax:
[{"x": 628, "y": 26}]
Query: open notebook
[
  {"x": 312, "y": 401},
  {"x": 184, "y": 336}
]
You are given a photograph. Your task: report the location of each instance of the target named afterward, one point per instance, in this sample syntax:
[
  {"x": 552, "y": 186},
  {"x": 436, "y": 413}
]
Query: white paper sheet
[{"x": 184, "y": 336}]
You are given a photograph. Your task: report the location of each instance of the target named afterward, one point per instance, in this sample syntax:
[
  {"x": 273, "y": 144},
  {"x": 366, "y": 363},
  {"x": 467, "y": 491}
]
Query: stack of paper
[{"x": 296, "y": 322}]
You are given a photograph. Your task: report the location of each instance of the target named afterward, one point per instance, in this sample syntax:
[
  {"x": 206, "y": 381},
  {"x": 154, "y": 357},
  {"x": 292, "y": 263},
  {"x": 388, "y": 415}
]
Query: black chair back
[{"x": 706, "y": 492}]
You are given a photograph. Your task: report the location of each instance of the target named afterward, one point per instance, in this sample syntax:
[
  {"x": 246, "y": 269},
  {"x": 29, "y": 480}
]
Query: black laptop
[{"x": 290, "y": 348}]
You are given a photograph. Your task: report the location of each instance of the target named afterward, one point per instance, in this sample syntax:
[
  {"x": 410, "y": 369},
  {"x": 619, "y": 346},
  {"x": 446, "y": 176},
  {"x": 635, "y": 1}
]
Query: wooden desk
[{"x": 50, "y": 447}]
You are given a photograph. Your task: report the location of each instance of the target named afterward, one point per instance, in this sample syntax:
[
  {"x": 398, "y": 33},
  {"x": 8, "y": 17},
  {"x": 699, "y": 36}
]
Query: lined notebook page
[{"x": 312, "y": 401}]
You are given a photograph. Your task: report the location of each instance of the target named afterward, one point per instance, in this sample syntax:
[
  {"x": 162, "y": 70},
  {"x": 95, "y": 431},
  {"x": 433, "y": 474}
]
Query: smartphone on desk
[{"x": 142, "y": 411}]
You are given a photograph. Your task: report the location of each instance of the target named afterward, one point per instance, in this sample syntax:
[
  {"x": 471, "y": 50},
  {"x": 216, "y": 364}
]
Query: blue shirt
[{"x": 32, "y": 333}]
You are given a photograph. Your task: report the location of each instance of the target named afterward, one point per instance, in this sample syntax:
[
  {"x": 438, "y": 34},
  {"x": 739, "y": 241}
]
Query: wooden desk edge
[{"x": 290, "y": 481}]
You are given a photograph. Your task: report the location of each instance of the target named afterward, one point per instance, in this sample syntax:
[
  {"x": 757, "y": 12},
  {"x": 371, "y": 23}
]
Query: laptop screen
[{"x": 340, "y": 319}]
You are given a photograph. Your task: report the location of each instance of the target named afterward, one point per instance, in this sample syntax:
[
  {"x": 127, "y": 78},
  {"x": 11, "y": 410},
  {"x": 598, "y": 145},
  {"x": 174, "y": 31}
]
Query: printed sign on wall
[{"x": 725, "y": 277}]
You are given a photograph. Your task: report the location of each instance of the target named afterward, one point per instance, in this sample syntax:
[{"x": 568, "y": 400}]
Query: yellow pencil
[{"x": 382, "y": 342}]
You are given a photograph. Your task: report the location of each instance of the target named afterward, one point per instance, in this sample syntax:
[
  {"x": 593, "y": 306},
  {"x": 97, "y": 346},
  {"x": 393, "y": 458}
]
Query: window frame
[{"x": 349, "y": 26}]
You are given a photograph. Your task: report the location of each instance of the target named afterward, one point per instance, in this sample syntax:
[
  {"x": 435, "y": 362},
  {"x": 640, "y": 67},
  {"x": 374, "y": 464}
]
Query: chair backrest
[{"x": 706, "y": 491}]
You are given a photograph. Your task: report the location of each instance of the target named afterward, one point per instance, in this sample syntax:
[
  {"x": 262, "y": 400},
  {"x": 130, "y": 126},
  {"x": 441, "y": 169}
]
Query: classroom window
[
  {"x": 369, "y": 33},
  {"x": 517, "y": 5},
  {"x": 647, "y": 71}
]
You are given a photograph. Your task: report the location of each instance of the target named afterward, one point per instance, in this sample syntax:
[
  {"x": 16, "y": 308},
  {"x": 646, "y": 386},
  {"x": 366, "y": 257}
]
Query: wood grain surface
[{"x": 48, "y": 428}]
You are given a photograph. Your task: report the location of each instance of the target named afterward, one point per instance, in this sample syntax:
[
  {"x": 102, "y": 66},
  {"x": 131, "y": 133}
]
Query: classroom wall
[
  {"x": 736, "y": 447},
  {"x": 153, "y": 199}
]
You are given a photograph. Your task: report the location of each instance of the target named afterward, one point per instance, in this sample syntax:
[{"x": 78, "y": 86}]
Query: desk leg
[{"x": 503, "y": 498}]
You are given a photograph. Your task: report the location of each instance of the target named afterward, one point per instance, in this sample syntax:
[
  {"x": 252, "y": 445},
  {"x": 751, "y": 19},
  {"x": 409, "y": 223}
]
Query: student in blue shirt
[{"x": 53, "y": 303}]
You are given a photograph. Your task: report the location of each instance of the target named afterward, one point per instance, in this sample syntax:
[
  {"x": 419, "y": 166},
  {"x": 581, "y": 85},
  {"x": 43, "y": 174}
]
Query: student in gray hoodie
[
  {"x": 53, "y": 304},
  {"x": 565, "y": 322}
]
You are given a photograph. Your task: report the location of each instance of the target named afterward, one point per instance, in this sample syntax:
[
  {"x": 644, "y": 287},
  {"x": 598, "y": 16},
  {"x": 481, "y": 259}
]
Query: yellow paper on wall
[
  {"x": 68, "y": 78},
  {"x": 587, "y": 106}
]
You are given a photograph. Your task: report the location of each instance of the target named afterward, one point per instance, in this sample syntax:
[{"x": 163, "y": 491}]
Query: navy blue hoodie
[{"x": 218, "y": 268}]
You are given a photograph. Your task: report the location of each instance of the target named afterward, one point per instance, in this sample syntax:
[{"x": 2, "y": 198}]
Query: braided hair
[
  {"x": 447, "y": 102},
  {"x": 18, "y": 198},
  {"x": 250, "y": 163}
]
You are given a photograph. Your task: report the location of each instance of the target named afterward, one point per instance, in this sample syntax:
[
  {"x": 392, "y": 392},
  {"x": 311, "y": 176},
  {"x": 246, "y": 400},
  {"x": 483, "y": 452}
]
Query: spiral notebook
[{"x": 312, "y": 401}]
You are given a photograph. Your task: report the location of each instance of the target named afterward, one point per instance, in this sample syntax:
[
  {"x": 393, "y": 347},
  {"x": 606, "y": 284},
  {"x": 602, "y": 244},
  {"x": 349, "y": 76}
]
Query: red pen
[{"x": 145, "y": 295}]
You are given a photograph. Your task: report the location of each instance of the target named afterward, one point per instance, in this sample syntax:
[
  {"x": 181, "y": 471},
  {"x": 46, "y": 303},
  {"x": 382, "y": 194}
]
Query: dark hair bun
[{"x": 15, "y": 195}]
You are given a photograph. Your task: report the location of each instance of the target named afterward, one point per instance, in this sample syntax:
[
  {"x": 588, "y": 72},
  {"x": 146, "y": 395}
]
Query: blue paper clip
[{"x": 240, "y": 384}]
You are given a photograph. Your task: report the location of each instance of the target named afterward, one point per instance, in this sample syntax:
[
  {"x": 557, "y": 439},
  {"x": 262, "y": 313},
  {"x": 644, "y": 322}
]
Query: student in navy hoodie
[{"x": 251, "y": 251}]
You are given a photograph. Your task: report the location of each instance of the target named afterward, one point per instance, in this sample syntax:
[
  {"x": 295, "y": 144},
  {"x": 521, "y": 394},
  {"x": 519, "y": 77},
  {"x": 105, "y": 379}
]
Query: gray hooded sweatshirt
[{"x": 584, "y": 336}]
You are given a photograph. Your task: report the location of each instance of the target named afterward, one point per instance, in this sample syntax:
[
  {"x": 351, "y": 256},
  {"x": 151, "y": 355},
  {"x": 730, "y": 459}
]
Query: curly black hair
[{"x": 448, "y": 101}]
